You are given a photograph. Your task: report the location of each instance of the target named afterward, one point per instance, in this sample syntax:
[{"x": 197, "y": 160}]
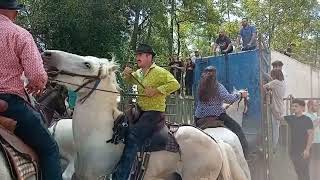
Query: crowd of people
[
  {"x": 183, "y": 69},
  {"x": 19, "y": 55},
  {"x": 304, "y": 125}
]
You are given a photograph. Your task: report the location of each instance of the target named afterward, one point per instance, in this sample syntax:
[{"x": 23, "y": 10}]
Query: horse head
[
  {"x": 243, "y": 102},
  {"x": 238, "y": 109},
  {"x": 52, "y": 101},
  {"x": 84, "y": 74}
]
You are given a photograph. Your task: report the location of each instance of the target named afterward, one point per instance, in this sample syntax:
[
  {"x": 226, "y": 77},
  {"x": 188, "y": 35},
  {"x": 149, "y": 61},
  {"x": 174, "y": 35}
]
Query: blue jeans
[
  {"x": 138, "y": 133},
  {"x": 32, "y": 131}
]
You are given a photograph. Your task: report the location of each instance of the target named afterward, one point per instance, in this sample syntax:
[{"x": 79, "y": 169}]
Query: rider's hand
[
  {"x": 244, "y": 94},
  {"x": 151, "y": 92},
  {"x": 3, "y": 106},
  {"x": 306, "y": 154},
  {"x": 127, "y": 71},
  {"x": 34, "y": 89}
]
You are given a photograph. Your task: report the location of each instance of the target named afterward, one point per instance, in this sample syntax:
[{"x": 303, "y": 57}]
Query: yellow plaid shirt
[{"x": 156, "y": 77}]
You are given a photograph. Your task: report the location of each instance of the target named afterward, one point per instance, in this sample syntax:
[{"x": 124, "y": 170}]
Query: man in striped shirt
[{"x": 19, "y": 55}]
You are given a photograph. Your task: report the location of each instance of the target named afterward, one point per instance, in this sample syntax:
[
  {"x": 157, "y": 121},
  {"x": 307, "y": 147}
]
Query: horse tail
[
  {"x": 233, "y": 169},
  {"x": 225, "y": 173}
]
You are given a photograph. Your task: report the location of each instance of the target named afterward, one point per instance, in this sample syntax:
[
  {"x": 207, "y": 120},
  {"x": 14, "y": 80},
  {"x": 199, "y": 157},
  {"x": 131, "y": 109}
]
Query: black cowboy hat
[
  {"x": 10, "y": 5},
  {"x": 145, "y": 48}
]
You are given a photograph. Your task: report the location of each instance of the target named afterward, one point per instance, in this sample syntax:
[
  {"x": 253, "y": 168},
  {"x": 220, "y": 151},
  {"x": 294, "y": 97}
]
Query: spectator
[
  {"x": 313, "y": 108},
  {"x": 248, "y": 34},
  {"x": 176, "y": 67},
  {"x": 189, "y": 76},
  {"x": 195, "y": 56},
  {"x": 279, "y": 65},
  {"x": 301, "y": 139},
  {"x": 224, "y": 43},
  {"x": 275, "y": 65},
  {"x": 288, "y": 51},
  {"x": 277, "y": 86}
]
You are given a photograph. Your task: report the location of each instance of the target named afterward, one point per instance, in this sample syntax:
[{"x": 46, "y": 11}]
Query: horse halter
[{"x": 95, "y": 79}]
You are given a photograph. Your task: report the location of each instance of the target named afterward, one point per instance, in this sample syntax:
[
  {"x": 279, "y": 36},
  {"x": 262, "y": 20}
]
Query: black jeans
[
  {"x": 301, "y": 165},
  {"x": 227, "y": 52},
  {"x": 138, "y": 133},
  {"x": 236, "y": 128},
  {"x": 189, "y": 82},
  {"x": 31, "y": 130},
  {"x": 248, "y": 48}
]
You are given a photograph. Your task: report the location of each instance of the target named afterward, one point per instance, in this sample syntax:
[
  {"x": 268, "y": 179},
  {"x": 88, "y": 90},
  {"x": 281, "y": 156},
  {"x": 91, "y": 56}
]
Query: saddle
[
  {"x": 209, "y": 122},
  {"x": 23, "y": 161},
  {"x": 162, "y": 140}
]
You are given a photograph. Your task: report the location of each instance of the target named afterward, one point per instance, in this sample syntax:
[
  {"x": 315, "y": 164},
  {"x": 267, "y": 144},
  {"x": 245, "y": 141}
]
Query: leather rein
[
  {"x": 91, "y": 79},
  {"x": 245, "y": 101}
]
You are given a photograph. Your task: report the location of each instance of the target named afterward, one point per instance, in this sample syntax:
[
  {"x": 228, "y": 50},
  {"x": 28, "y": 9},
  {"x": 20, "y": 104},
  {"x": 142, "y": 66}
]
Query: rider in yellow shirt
[{"x": 156, "y": 84}]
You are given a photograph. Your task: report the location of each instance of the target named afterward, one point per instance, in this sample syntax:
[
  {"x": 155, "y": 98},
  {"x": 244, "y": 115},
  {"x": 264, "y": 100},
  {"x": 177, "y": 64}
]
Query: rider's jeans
[
  {"x": 31, "y": 130},
  {"x": 137, "y": 135}
]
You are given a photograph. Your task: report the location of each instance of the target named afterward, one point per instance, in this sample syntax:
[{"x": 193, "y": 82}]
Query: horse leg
[
  {"x": 174, "y": 176},
  {"x": 161, "y": 165},
  {"x": 68, "y": 172}
]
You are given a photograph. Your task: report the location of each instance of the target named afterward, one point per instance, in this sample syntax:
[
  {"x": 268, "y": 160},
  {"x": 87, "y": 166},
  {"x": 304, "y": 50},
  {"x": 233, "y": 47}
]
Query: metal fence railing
[{"x": 179, "y": 109}]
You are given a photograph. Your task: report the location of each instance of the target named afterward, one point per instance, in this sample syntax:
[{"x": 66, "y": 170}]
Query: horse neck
[{"x": 99, "y": 107}]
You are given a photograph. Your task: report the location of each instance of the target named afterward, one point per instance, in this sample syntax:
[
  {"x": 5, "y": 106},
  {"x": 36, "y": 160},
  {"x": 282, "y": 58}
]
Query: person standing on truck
[
  {"x": 248, "y": 34},
  {"x": 223, "y": 42}
]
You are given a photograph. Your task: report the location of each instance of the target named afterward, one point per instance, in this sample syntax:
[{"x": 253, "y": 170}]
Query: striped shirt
[
  {"x": 214, "y": 106},
  {"x": 18, "y": 54}
]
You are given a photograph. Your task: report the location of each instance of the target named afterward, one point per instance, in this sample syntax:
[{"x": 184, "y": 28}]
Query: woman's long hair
[
  {"x": 277, "y": 74},
  {"x": 208, "y": 84}
]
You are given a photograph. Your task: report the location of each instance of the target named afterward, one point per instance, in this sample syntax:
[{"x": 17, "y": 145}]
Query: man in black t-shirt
[
  {"x": 301, "y": 139},
  {"x": 224, "y": 43}
]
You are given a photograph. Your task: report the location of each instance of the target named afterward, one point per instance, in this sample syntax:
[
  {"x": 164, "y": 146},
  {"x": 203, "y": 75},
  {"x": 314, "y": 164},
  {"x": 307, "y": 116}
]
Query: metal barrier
[{"x": 179, "y": 110}]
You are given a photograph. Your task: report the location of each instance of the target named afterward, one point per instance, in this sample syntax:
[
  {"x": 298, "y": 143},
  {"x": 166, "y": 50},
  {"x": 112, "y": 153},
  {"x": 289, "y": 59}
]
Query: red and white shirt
[{"x": 18, "y": 54}]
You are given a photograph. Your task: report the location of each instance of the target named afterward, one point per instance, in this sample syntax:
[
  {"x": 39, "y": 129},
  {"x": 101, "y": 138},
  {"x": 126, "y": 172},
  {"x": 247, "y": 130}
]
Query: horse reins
[
  {"x": 96, "y": 80},
  {"x": 245, "y": 101}
]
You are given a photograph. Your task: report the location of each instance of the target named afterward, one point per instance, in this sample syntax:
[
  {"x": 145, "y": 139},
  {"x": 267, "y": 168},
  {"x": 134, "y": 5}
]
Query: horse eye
[{"x": 88, "y": 65}]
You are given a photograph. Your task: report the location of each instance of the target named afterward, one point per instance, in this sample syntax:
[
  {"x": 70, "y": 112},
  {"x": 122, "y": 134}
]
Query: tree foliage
[{"x": 105, "y": 27}]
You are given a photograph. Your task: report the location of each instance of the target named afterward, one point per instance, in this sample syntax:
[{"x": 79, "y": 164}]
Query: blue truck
[{"x": 246, "y": 70}]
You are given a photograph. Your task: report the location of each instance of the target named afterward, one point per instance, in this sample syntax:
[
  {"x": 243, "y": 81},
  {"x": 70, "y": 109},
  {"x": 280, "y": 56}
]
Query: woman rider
[{"x": 211, "y": 97}]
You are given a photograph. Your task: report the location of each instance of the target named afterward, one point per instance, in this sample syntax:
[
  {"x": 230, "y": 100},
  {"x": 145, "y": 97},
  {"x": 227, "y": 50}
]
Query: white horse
[
  {"x": 201, "y": 156},
  {"x": 226, "y": 135},
  {"x": 64, "y": 137}
]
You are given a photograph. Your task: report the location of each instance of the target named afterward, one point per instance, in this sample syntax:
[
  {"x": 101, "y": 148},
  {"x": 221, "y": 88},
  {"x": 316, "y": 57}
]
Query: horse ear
[{"x": 113, "y": 68}]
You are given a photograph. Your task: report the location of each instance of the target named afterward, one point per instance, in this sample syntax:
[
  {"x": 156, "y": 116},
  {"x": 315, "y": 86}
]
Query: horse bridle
[
  {"x": 95, "y": 79},
  {"x": 245, "y": 101}
]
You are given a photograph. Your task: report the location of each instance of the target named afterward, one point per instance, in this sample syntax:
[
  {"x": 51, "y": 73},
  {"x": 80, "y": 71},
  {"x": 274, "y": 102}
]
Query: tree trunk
[
  {"x": 134, "y": 37},
  {"x": 149, "y": 31},
  {"x": 179, "y": 42},
  {"x": 172, "y": 18}
]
